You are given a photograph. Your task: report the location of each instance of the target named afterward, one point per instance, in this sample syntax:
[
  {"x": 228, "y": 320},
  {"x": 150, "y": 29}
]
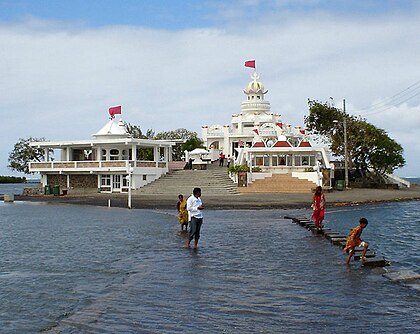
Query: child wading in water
[
  {"x": 353, "y": 241},
  {"x": 182, "y": 212},
  {"x": 318, "y": 205}
]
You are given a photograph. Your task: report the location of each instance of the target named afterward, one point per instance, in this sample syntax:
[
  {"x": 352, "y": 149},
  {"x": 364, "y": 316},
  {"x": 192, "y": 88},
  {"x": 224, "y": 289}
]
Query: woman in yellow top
[{"x": 182, "y": 212}]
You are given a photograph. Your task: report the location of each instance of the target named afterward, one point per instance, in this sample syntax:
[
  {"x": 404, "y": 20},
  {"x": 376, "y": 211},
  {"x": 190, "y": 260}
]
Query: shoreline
[{"x": 250, "y": 201}]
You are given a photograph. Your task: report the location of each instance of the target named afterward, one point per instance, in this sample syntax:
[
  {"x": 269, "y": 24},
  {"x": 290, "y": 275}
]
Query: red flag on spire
[
  {"x": 256, "y": 131},
  {"x": 250, "y": 63},
  {"x": 114, "y": 111}
]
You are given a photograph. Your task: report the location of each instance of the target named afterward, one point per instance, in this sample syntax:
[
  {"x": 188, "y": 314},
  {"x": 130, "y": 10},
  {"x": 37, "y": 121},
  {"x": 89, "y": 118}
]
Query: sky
[{"x": 173, "y": 64}]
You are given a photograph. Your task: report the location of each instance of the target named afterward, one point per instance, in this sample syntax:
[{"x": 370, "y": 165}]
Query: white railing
[
  {"x": 94, "y": 165},
  {"x": 396, "y": 179}
]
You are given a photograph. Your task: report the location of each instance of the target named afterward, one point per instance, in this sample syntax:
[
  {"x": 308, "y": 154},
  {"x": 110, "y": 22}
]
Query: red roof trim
[
  {"x": 282, "y": 144},
  {"x": 305, "y": 144}
]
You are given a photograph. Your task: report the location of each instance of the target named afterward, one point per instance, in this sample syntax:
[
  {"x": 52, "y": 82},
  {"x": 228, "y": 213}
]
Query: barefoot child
[{"x": 353, "y": 240}]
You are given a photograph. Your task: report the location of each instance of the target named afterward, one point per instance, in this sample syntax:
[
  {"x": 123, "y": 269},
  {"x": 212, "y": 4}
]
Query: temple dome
[{"x": 255, "y": 86}]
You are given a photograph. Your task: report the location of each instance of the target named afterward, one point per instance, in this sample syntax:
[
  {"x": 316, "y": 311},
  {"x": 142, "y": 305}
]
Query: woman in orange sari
[
  {"x": 182, "y": 212},
  {"x": 318, "y": 205}
]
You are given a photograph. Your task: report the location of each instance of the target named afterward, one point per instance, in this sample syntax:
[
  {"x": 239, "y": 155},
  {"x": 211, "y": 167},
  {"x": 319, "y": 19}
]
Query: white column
[
  {"x": 156, "y": 154},
  {"x": 134, "y": 152},
  {"x": 169, "y": 148},
  {"x": 130, "y": 180},
  {"x": 47, "y": 154}
]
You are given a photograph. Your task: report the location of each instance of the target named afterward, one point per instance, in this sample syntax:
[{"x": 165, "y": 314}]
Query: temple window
[
  {"x": 266, "y": 160},
  {"x": 259, "y": 161},
  {"x": 105, "y": 180},
  {"x": 124, "y": 155},
  {"x": 114, "y": 154}
]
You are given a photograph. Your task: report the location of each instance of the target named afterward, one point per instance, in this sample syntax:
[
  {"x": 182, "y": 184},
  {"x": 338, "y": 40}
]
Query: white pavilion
[
  {"x": 106, "y": 162},
  {"x": 257, "y": 137}
]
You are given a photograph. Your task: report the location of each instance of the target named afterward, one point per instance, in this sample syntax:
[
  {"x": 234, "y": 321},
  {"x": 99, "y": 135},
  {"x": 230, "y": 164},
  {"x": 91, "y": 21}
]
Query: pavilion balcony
[{"x": 93, "y": 166}]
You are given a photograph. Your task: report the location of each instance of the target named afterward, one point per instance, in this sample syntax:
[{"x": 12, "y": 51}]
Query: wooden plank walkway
[{"x": 373, "y": 258}]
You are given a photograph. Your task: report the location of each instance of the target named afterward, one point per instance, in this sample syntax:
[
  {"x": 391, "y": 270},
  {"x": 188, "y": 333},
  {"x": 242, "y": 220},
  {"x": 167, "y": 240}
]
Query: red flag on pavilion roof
[
  {"x": 256, "y": 131},
  {"x": 250, "y": 63},
  {"x": 280, "y": 125},
  {"x": 114, "y": 111}
]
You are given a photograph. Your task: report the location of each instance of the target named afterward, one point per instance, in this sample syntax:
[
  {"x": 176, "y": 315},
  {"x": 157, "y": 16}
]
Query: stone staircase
[
  {"x": 279, "y": 183},
  {"x": 213, "y": 181}
]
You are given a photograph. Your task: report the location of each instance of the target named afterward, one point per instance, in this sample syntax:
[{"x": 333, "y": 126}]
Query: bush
[{"x": 238, "y": 168}]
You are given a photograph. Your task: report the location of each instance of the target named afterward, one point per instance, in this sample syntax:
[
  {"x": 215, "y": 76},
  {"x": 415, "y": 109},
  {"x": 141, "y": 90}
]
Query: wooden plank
[
  {"x": 377, "y": 261},
  {"x": 338, "y": 241},
  {"x": 360, "y": 249},
  {"x": 369, "y": 254},
  {"x": 334, "y": 235}
]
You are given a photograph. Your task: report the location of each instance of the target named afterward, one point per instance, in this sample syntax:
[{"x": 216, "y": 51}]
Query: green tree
[
  {"x": 368, "y": 147},
  {"x": 189, "y": 142},
  {"x": 134, "y": 131},
  {"x": 23, "y": 153}
]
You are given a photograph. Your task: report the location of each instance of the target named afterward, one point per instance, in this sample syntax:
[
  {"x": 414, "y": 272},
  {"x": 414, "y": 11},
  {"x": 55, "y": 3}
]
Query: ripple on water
[{"x": 102, "y": 270}]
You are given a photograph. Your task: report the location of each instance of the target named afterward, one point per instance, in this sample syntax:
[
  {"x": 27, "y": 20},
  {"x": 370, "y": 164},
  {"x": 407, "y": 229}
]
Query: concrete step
[
  {"x": 279, "y": 183},
  {"x": 212, "y": 182}
]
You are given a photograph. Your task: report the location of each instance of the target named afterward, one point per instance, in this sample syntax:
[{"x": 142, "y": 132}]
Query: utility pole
[{"x": 346, "y": 167}]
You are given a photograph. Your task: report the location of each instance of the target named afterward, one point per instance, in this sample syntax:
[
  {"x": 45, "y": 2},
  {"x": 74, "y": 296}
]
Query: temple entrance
[{"x": 116, "y": 183}]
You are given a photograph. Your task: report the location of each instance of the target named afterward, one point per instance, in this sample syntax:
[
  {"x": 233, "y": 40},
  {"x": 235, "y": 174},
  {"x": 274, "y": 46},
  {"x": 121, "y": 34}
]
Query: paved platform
[{"x": 242, "y": 201}]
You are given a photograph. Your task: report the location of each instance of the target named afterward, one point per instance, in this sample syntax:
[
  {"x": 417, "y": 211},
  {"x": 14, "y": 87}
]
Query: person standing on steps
[
  {"x": 195, "y": 214},
  {"x": 228, "y": 161},
  {"x": 221, "y": 159}
]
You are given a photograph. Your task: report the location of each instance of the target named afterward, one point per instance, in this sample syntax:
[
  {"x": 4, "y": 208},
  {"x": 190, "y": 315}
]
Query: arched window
[{"x": 114, "y": 154}]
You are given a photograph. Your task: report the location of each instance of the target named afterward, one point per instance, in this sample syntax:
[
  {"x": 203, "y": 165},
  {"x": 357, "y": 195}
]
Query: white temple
[
  {"x": 257, "y": 137},
  {"x": 106, "y": 163}
]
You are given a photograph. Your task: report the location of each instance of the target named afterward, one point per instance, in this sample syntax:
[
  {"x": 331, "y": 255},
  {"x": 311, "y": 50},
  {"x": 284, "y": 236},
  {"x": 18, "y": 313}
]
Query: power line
[{"x": 406, "y": 94}]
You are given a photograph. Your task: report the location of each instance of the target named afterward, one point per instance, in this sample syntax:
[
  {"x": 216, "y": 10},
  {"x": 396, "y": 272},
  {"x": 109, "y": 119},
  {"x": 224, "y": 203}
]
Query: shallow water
[
  {"x": 15, "y": 188},
  {"x": 76, "y": 269}
]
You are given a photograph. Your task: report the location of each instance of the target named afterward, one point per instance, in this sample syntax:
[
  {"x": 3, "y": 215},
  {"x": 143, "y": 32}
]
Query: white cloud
[{"x": 58, "y": 81}]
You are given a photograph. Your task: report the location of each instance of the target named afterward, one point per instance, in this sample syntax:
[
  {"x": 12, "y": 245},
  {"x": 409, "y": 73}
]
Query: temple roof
[{"x": 113, "y": 130}]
